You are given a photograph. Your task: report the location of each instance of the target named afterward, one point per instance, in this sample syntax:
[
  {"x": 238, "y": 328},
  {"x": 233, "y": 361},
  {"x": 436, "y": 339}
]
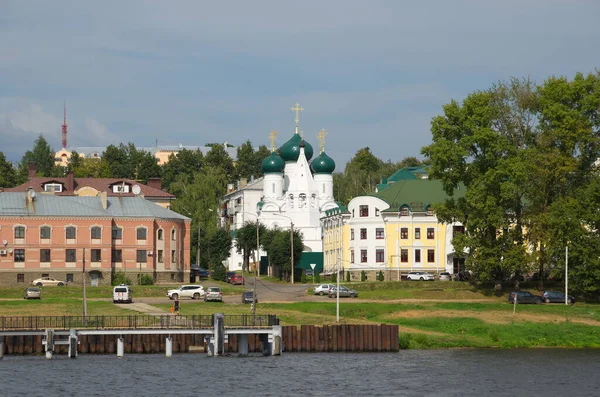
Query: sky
[{"x": 371, "y": 73}]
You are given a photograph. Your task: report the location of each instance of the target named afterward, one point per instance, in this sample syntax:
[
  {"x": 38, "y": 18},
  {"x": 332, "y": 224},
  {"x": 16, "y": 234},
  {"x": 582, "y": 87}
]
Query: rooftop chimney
[
  {"x": 31, "y": 171},
  {"x": 154, "y": 183},
  {"x": 70, "y": 182}
]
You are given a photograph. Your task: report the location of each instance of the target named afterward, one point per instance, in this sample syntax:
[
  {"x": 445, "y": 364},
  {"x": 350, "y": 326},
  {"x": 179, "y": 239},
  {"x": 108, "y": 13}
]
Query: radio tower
[{"x": 64, "y": 128}]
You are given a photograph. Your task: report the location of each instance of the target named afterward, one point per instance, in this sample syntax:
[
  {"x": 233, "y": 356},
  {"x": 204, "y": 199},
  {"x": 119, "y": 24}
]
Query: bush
[
  {"x": 404, "y": 341},
  {"x": 146, "y": 279},
  {"x": 120, "y": 278},
  {"x": 347, "y": 277},
  {"x": 334, "y": 277},
  {"x": 363, "y": 276},
  {"x": 219, "y": 272},
  {"x": 317, "y": 278},
  {"x": 381, "y": 275},
  {"x": 303, "y": 278}
]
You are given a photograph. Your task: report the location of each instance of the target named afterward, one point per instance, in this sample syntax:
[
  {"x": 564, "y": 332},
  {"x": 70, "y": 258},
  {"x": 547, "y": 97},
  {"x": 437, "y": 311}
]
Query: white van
[{"x": 122, "y": 294}]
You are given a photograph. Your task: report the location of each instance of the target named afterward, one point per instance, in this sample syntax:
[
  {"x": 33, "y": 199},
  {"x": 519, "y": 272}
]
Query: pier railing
[{"x": 133, "y": 322}]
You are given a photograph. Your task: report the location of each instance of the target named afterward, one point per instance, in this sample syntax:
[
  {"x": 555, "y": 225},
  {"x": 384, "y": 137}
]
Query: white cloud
[{"x": 97, "y": 133}]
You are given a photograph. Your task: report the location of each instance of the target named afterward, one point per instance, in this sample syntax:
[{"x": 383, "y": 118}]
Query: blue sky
[{"x": 372, "y": 73}]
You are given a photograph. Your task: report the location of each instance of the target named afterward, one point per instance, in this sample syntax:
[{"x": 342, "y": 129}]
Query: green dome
[
  {"x": 290, "y": 150},
  {"x": 323, "y": 164},
  {"x": 273, "y": 164}
]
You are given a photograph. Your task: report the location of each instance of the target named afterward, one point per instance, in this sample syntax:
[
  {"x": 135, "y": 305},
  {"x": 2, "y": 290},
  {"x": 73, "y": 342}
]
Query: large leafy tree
[
  {"x": 245, "y": 241},
  {"x": 185, "y": 162},
  {"x": 8, "y": 174},
  {"x": 219, "y": 247},
  {"x": 88, "y": 167},
  {"x": 277, "y": 245},
  {"x": 217, "y": 157},
  {"x": 126, "y": 161},
  {"x": 42, "y": 156}
]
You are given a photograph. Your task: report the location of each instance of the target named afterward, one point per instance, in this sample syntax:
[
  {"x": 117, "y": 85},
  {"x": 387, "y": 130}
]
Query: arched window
[
  {"x": 45, "y": 232},
  {"x": 96, "y": 233},
  {"x": 71, "y": 233},
  {"x": 159, "y": 234},
  {"x": 20, "y": 232},
  {"x": 173, "y": 234},
  {"x": 141, "y": 233}
]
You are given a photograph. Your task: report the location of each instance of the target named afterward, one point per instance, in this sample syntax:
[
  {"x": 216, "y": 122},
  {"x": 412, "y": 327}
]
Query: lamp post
[
  {"x": 291, "y": 246},
  {"x": 337, "y": 278},
  {"x": 256, "y": 260},
  {"x": 567, "y": 274}
]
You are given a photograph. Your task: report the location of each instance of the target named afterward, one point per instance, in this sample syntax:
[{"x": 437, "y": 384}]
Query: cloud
[{"x": 97, "y": 133}]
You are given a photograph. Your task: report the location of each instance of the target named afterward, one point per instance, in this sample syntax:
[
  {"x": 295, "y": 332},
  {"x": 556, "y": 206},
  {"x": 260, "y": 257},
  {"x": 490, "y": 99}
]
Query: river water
[{"x": 464, "y": 372}]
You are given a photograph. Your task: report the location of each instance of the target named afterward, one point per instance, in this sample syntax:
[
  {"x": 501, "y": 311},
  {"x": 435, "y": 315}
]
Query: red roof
[{"x": 100, "y": 184}]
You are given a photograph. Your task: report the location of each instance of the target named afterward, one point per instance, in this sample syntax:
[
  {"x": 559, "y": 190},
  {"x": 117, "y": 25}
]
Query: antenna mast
[{"x": 64, "y": 127}]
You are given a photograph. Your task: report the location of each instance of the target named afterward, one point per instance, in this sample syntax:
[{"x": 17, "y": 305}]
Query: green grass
[{"x": 60, "y": 307}]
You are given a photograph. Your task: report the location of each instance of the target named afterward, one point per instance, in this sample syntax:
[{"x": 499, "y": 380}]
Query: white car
[
  {"x": 323, "y": 289},
  {"x": 46, "y": 281},
  {"x": 422, "y": 276},
  {"x": 187, "y": 291}
]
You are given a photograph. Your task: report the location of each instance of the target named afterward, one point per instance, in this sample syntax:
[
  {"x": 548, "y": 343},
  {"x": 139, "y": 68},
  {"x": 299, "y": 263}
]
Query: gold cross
[
  {"x": 321, "y": 136},
  {"x": 297, "y": 109},
  {"x": 272, "y": 136}
]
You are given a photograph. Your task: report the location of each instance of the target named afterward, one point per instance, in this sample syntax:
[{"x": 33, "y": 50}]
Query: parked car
[
  {"x": 32, "y": 293},
  {"x": 309, "y": 273},
  {"x": 237, "y": 279},
  {"x": 524, "y": 297},
  {"x": 248, "y": 297},
  {"x": 556, "y": 297},
  {"x": 213, "y": 294},
  {"x": 228, "y": 276},
  {"x": 48, "y": 281},
  {"x": 344, "y": 292},
  {"x": 422, "y": 276},
  {"x": 187, "y": 291},
  {"x": 323, "y": 289},
  {"x": 445, "y": 276},
  {"x": 122, "y": 294}
]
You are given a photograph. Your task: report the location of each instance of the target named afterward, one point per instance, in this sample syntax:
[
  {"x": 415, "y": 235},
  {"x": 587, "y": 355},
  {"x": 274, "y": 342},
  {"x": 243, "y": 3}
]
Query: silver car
[
  {"x": 213, "y": 294},
  {"x": 344, "y": 292},
  {"x": 323, "y": 289},
  {"x": 422, "y": 276},
  {"x": 186, "y": 291},
  {"x": 445, "y": 276},
  {"x": 32, "y": 293}
]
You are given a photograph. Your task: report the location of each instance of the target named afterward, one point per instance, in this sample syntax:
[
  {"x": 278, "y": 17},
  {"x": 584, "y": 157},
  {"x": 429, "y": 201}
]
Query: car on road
[
  {"x": 323, "y": 289},
  {"x": 557, "y": 297},
  {"x": 344, "y": 292},
  {"x": 213, "y": 294},
  {"x": 248, "y": 297},
  {"x": 445, "y": 276},
  {"x": 237, "y": 279},
  {"x": 32, "y": 293},
  {"x": 187, "y": 291},
  {"x": 228, "y": 276},
  {"x": 524, "y": 297},
  {"x": 48, "y": 281},
  {"x": 421, "y": 276},
  {"x": 122, "y": 293}
]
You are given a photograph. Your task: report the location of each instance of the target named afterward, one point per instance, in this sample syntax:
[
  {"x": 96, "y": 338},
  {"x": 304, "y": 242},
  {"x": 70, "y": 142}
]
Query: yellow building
[{"x": 394, "y": 230}]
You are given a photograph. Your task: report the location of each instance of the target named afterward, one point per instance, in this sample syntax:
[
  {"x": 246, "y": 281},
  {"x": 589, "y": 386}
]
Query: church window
[
  {"x": 273, "y": 187},
  {"x": 302, "y": 202},
  {"x": 323, "y": 188}
]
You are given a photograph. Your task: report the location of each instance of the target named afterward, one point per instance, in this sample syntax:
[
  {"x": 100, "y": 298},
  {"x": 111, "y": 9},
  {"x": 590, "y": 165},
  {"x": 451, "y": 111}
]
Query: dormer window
[
  {"x": 53, "y": 187},
  {"x": 120, "y": 188}
]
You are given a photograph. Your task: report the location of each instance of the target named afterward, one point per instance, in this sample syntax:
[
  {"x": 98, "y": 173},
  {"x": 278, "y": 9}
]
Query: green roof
[
  {"x": 311, "y": 257},
  {"x": 415, "y": 193},
  {"x": 340, "y": 209}
]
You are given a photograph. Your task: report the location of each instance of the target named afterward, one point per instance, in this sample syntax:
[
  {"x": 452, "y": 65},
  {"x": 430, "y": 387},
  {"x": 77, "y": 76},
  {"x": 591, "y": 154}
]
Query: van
[{"x": 122, "y": 294}]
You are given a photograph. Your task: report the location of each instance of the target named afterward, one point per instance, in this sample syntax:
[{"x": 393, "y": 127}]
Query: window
[
  {"x": 71, "y": 255},
  {"x": 173, "y": 235},
  {"x": 20, "y": 232},
  {"x": 69, "y": 277},
  {"x": 272, "y": 188},
  {"x": 351, "y": 256},
  {"x": 363, "y": 256},
  {"x": 430, "y": 233},
  {"x": 404, "y": 211},
  {"x": 141, "y": 233},
  {"x": 430, "y": 256},
  {"x": 417, "y": 255},
  {"x": 376, "y": 211},
  {"x": 122, "y": 188},
  {"x": 19, "y": 255},
  {"x": 96, "y": 255},
  {"x": 96, "y": 232},
  {"x": 117, "y": 233},
  {"x": 44, "y": 232},
  {"x": 379, "y": 255},
  {"x": 379, "y": 233},
  {"x": 45, "y": 275},
  {"x": 404, "y": 233},
  {"x": 351, "y": 234},
  {"x": 172, "y": 256},
  {"x": 363, "y": 210},
  {"x": 323, "y": 188},
  {"x": 45, "y": 255},
  {"x": 429, "y": 211},
  {"x": 141, "y": 256},
  {"x": 117, "y": 256},
  {"x": 159, "y": 234},
  {"x": 417, "y": 233},
  {"x": 363, "y": 234},
  {"x": 20, "y": 278},
  {"x": 71, "y": 233},
  {"x": 404, "y": 255},
  {"x": 53, "y": 187},
  {"x": 161, "y": 257},
  {"x": 457, "y": 229}
]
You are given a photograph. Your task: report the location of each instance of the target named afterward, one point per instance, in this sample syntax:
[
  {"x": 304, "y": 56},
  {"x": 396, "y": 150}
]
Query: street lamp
[
  {"x": 256, "y": 260},
  {"x": 291, "y": 245}
]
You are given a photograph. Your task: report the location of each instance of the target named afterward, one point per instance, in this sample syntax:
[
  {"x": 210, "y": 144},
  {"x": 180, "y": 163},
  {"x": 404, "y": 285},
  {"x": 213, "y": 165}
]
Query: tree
[
  {"x": 185, "y": 162},
  {"x": 219, "y": 246},
  {"x": 245, "y": 241},
  {"x": 247, "y": 164},
  {"x": 217, "y": 157},
  {"x": 126, "y": 161},
  {"x": 277, "y": 245},
  {"x": 8, "y": 175},
  {"x": 42, "y": 156},
  {"x": 119, "y": 162}
]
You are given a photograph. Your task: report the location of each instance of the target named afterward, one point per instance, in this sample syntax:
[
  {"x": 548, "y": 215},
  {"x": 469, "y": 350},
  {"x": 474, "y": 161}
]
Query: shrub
[
  {"x": 334, "y": 277},
  {"x": 317, "y": 278},
  {"x": 404, "y": 341},
  {"x": 347, "y": 277},
  {"x": 146, "y": 279},
  {"x": 494, "y": 335},
  {"x": 120, "y": 278},
  {"x": 381, "y": 275},
  {"x": 363, "y": 276},
  {"x": 303, "y": 278},
  {"x": 219, "y": 272}
]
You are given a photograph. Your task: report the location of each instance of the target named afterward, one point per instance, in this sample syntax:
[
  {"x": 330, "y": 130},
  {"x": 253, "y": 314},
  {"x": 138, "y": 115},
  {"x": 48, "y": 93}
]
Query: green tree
[
  {"x": 84, "y": 167},
  {"x": 277, "y": 245},
  {"x": 42, "y": 156},
  {"x": 185, "y": 162},
  {"x": 217, "y": 157},
  {"x": 219, "y": 246},
  {"x": 119, "y": 161},
  {"x": 246, "y": 164},
  {"x": 8, "y": 174},
  {"x": 245, "y": 241}
]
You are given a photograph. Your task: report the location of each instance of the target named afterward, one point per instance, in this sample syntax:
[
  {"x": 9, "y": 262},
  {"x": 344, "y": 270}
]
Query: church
[{"x": 294, "y": 192}]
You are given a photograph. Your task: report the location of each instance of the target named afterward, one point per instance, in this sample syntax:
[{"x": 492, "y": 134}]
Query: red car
[{"x": 237, "y": 279}]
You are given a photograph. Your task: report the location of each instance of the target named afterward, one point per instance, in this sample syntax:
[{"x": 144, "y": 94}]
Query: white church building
[{"x": 294, "y": 189}]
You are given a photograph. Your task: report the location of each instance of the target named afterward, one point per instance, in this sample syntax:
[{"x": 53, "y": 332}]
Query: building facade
[
  {"x": 90, "y": 238},
  {"x": 394, "y": 230}
]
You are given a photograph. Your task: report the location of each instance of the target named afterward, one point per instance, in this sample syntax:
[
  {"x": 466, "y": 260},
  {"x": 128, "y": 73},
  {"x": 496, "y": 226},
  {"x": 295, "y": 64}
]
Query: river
[{"x": 461, "y": 372}]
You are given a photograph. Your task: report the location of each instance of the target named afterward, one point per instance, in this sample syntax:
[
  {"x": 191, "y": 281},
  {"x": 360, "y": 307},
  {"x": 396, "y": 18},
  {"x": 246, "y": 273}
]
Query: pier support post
[
  {"x": 219, "y": 334},
  {"x": 243, "y": 344},
  {"x": 276, "y": 346},
  {"x": 49, "y": 343},
  {"x": 266, "y": 344},
  {"x": 169, "y": 346},
  {"x": 73, "y": 344},
  {"x": 211, "y": 346},
  {"x": 1, "y": 347},
  {"x": 120, "y": 347}
]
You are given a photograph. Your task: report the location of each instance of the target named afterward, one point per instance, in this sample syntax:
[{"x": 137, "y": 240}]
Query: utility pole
[
  {"x": 567, "y": 274},
  {"x": 292, "y": 247},
  {"x": 84, "y": 297}
]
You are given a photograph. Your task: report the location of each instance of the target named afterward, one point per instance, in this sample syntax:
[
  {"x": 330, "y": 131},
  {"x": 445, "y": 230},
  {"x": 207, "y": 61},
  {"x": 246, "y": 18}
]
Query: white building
[{"x": 293, "y": 190}]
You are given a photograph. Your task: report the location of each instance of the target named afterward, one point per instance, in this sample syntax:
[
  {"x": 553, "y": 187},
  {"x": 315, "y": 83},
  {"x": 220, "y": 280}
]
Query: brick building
[{"x": 44, "y": 234}]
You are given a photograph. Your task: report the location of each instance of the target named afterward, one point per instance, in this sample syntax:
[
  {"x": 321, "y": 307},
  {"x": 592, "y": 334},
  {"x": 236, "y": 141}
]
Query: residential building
[
  {"x": 62, "y": 236},
  {"x": 394, "y": 230}
]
